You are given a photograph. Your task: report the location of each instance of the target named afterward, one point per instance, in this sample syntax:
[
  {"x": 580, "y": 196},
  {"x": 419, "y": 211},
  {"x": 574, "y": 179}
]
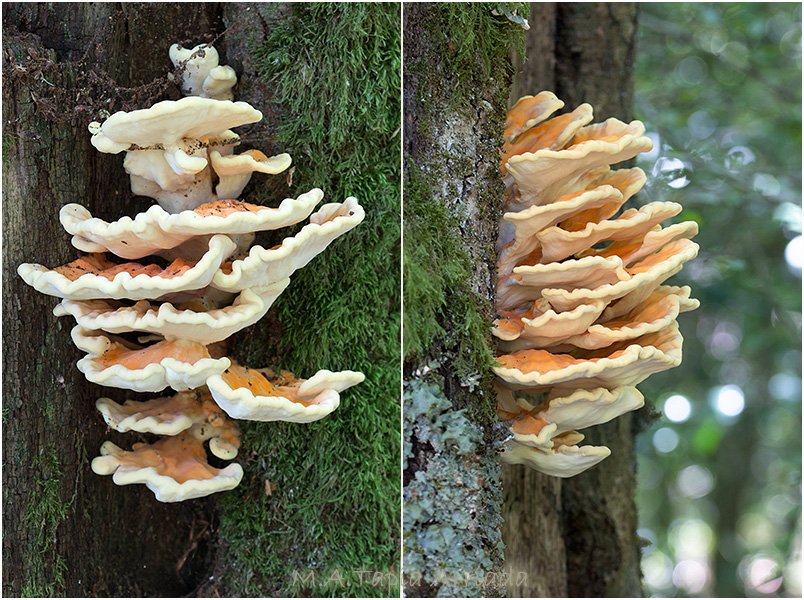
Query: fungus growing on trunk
[
  {"x": 258, "y": 395},
  {"x": 203, "y": 325},
  {"x": 174, "y": 468},
  {"x": 94, "y": 276},
  {"x": 156, "y": 229},
  {"x": 583, "y": 317},
  {"x": 181, "y": 314},
  {"x": 169, "y": 146},
  {"x": 202, "y": 75}
]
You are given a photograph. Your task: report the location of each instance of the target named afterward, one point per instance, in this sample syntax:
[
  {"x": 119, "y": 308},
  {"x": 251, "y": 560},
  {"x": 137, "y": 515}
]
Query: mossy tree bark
[
  {"x": 67, "y": 531},
  {"x": 577, "y": 537},
  {"x": 455, "y": 90}
]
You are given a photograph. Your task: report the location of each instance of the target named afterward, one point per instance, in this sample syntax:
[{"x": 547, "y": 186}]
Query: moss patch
[
  {"x": 45, "y": 513},
  {"x": 438, "y": 303},
  {"x": 331, "y": 523},
  {"x": 454, "y": 185}
]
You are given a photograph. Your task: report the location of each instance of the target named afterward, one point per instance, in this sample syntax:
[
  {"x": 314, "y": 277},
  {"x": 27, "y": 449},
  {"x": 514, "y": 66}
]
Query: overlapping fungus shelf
[
  {"x": 98, "y": 264},
  {"x": 180, "y": 457},
  {"x": 258, "y": 384},
  {"x": 528, "y": 424},
  {"x": 181, "y": 350}
]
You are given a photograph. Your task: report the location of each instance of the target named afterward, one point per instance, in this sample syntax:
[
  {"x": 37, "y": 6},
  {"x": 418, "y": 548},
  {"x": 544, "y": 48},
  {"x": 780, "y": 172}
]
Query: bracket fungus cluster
[
  {"x": 155, "y": 297},
  {"x": 583, "y": 312}
]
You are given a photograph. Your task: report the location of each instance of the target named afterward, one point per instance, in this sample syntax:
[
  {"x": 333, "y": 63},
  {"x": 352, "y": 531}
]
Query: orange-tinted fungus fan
[
  {"x": 528, "y": 361},
  {"x": 181, "y": 457},
  {"x": 224, "y": 208},
  {"x": 98, "y": 264},
  {"x": 554, "y": 132},
  {"x": 528, "y": 425},
  {"x": 181, "y": 350},
  {"x": 529, "y": 111},
  {"x": 258, "y": 384},
  {"x": 256, "y": 155}
]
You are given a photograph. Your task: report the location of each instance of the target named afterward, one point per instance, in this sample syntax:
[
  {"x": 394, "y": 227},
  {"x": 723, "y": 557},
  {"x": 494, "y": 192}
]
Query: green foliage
[
  {"x": 334, "y": 505},
  {"x": 726, "y": 111}
]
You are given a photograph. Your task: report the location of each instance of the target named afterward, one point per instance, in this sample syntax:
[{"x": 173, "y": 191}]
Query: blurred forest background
[{"x": 718, "y": 87}]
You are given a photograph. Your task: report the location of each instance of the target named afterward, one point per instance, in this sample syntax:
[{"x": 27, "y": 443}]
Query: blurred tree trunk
[
  {"x": 66, "y": 530},
  {"x": 577, "y": 537}
]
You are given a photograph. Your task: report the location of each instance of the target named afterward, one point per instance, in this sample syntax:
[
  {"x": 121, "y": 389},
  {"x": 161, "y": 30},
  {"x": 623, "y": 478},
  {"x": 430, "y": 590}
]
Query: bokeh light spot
[
  {"x": 677, "y": 408},
  {"x": 671, "y": 170},
  {"x": 789, "y": 214},
  {"x": 665, "y": 440},
  {"x": 701, "y": 125},
  {"x": 692, "y": 70},
  {"x": 690, "y": 575},
  {"x": 738, "y": 157},
  {"x": 730, "y": 400},
  {"x": 761, "y": 574},
  {"x": 767, "y": 185},
  {"x": 794, "y": 254},
  {"x": 695, "y": 481},
  {"x": 785, "y": 387},
  {"x": 657, "y": 569}
]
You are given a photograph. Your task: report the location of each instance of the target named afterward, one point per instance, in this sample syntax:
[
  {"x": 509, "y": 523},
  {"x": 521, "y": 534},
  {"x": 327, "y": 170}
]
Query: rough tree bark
[
  {"x": 66, "y": 530},
  {"x": 454, "y": 96},
  {"x": 577, "y": 537}
]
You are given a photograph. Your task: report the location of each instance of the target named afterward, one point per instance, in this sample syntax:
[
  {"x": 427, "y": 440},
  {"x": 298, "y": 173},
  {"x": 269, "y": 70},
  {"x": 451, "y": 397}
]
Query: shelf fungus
[
  {"x": 156, "y": 296},
  {"x": 258, "y": 395},
  {"x": 203, "y": 76},
  {"x": 583, "y": 315},
  {"x": 156, "y": 229},
  {"x": 175, "y": 322},
  {"x": 174, "y": 468},
  {"x": 173, "y": 148},
  {"x": 179, "y": 364},
  {"x": 96, "y": 276}
]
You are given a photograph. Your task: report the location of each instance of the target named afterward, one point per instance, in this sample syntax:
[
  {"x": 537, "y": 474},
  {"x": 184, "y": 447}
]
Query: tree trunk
[
  {"x": 67, "y": 531},
  {"x": 577, "y": 537},
  {"x": 455, "y": 90}
]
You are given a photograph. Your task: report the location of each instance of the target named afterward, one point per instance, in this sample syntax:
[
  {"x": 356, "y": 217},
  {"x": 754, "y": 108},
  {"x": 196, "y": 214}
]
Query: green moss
[
  {"x": 472, "y": 39},
  {"x": 436, "y": 271},
  {"x": 446, "y": 316},
  {"x": 333, "y": 511},
  {"x": 474, "y": 31},
  {"x": 45, "y": 513},
  {"x": 9, "y": 143}
]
